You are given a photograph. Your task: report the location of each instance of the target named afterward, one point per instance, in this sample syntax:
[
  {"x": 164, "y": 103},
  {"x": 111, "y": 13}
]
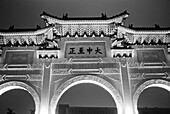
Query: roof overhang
[
  {"x": 133, "y": 31},
  {"x": 36, "y": 32}
]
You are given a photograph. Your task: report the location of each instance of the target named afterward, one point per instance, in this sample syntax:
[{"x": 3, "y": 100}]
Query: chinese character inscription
[{"x": 85, "y": 50}]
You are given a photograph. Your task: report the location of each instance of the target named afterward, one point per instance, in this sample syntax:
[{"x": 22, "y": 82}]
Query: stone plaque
[
  {"x": 151, "y": 56},
  {"x": 19, "y": 57},
  {"x": 85, "y": 50}
]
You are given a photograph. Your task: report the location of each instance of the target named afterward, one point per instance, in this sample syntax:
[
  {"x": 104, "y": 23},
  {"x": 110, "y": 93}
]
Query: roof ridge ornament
[
  {"x": 104, "y": 15},
  {"x": 65, "y": 16},
  {"x": 11, "y": 27}
]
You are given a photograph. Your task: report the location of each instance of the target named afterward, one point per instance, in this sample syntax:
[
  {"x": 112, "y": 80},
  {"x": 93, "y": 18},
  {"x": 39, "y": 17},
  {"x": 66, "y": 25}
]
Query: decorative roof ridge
[
  {"x": 103, "y": 17},
  {"x": 49, "y": 19},
  {"x": 47, "y": 14},
  {"x": 156, "y": 27},
  {"x": 146, "y": 30},
  {"x": 29, "y": 31},
  {"x": 123, "y": 13}
]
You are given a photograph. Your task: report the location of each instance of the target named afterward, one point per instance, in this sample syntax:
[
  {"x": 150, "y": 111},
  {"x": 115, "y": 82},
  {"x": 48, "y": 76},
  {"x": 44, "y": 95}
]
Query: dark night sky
[{"x": 26, "y": 14}]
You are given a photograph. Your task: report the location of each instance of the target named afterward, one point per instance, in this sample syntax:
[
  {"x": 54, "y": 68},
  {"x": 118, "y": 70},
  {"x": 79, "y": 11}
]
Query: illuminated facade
[{"x": 48, "y": 61}]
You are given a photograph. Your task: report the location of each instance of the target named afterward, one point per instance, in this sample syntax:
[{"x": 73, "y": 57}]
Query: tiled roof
[
  {"x": 30, "y": 31},
  {"x": 145, "y": 30}
]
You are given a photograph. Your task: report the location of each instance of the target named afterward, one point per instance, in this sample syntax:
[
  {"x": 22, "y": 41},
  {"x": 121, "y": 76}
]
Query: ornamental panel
[
  {"x": 19, "y": 57},
  {"x": 151, "y": 56}
]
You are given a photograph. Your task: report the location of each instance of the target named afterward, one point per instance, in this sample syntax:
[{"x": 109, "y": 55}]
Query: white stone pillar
[
  {"x": 45, "y": 91},
  {"x": 126, "y": 87}
]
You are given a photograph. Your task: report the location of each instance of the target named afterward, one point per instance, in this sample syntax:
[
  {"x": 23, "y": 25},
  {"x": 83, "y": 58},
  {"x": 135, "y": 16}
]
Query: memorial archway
[
  {"x": 87, "y": 79},
  {"x": 148, "y": 84},
  {"x": 20, "y": 85}
]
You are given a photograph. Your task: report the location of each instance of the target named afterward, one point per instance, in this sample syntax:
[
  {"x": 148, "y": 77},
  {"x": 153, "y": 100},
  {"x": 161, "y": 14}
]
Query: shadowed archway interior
[
  {"x": 87, "y": 95},
  {"x": 161, "y": 98},
  {"x": 20, "y": 101}
]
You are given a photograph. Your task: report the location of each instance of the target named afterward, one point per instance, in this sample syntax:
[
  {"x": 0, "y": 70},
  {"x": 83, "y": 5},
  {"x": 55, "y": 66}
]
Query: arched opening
[
  {"x": 87, "y": 79},
  {"x": 153, "y": 96},
  {"x": 86, "y": 98},
  {"x": 17, "y": 91},
  {"x": 87, "y": 95},
  {"x": 18, "y": 100}
]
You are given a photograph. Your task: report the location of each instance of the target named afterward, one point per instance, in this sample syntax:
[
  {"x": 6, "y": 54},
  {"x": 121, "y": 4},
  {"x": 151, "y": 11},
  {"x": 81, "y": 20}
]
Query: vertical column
[
  {"x": 45, "y": 90},
  {"x": 128, "y": 105}
]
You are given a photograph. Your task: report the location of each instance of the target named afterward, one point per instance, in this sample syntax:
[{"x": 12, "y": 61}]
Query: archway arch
[
  {"x": 86, "y": 79},
  {"x": 20, "y": 85},
  {"x": 150, "y": 83}
]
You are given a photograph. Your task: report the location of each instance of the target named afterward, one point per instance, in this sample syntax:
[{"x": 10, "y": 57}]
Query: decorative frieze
[
  {"x": 85, "y": 65},
  {"x": 149, "y": 70},
  {"x": 82, "y": 30},
  {"x": 47, "y": 54},
  {"x": 141, "y": 37},
  {"x": 20, "y": 71},
  {"x": 104, "y": 71},
  {"x": 23, "y": 40},
  {"x": 149, "y": 39},
  {"x": 122, "y": 53}
]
